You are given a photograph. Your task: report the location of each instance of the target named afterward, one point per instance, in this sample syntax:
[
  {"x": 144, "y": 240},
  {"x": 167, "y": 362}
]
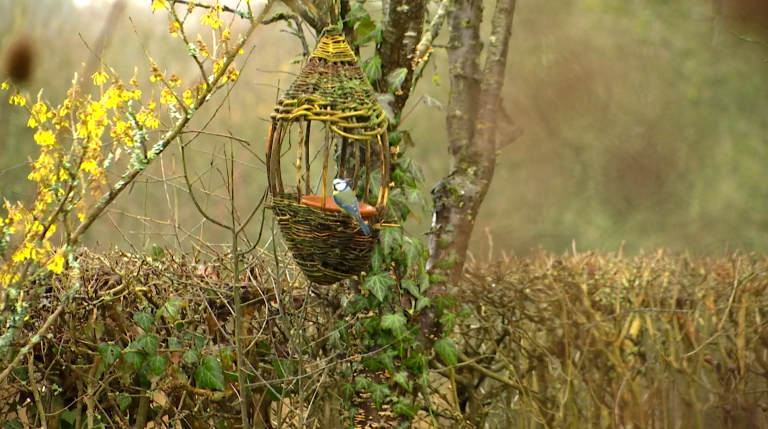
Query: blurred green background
[{"x": 646, "y": 122}]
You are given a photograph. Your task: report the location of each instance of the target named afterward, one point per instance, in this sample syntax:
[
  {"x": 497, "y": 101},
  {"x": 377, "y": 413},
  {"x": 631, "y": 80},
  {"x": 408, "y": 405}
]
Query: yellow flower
[
  {"x": 211, "y": 19},
  {"x": 201, "y": 47},
  {"x": 24, "y": 253},
  {"x": 5, "y": 85},
  {"x": 174, "y": 80},
  {"x": 167, "y": 97},
  {"x": 45, "y": 138},
  {"x": 174, "y": 28},
  {"x": 158, "y": 4},
  {"x": 39, "y": 113},
  {"x": 216, "y": 67},
  {"x": 233, "y": 74},
  {"x": 17, "y": 99},
  {"x": 112, "y": 98},
  {"x": 89, "y": 166},
  {"x": 188, "y": 100},
  {"x": 57, "y": 264},
  {"x": 8, "y": 278},
  {"x": 99, "y": 78}
]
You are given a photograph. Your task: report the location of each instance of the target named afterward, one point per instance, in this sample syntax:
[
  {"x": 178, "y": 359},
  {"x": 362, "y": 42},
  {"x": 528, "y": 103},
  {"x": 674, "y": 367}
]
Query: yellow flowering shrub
[{"x": 81, "y": 139}]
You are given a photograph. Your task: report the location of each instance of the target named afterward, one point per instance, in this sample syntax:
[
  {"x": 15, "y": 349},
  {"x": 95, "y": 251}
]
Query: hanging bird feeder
[{"x": 333, "y": 95}]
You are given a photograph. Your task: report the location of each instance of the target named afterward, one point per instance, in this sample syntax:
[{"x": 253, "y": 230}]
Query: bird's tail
[{"x": 364, "y": 226}]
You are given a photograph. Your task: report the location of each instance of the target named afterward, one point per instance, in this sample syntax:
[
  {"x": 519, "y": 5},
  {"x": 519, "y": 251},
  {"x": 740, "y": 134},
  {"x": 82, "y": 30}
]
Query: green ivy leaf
[
  {"x": 357, "y": 304},
  {"x": 199, "y": 341},
  {"x": 69, "y": 416},
  {"x": 228, "y": 356},
  {"x": 191, "y": 356},
  {"x": 172, "y": 308},
  {"x": 109, "y": 353},
  {"x": 387, "y": 360},
  {"x": 357, "y": 13},
  {"x": 437, "y": 278},
  {"x": 415, "y": 196},
  {"x": 17, "y": 424},
  {"x": 377, "y": 259},
  {"x": 396, "y": 79},
  {"x": 379, "y": 285},
  {"x": 401, "y": 378},
  {"x": 371, "y": 364},
  {"x": 448, "y": 320},
  {"x": 391, "y": 237},
  {"x": 411, "y": 286},
  {"x": 379, "y": 392},
  {"x": 144, "y": 320},
  {"x": 404, "y": 407},
  {"x": 466, "y": 311},
  {"x": 134, "y": 357},
  {"x": 366, "y": 31},
  {"x": 412, "y": 167},
  {"x": 423, "y": 281},
  {"x": 422, "y": 302},
  {"x": 124, "y": 400},
  {"x": 347, "y": 390},
  {"x": 148, "y": 343},
  {"x": 416, "y": 363},
  {"x": 395, "y": 136},
  {"x": 209, "y": 374},
  {"x": 157, "y": 363},
  {"x": 394, "y": 322},
  {"x": 446, "y": 348},
  {"x": 174, "y": 343},
  {"x": 445, "y": 301},
  {"x": 414, "y": 252},
  {"x": 372, "y": 68},
  {"x": 362, "y": 384}
]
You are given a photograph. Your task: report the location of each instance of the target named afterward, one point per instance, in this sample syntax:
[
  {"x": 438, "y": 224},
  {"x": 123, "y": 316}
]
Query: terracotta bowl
[{"x": 366, "y": 210}]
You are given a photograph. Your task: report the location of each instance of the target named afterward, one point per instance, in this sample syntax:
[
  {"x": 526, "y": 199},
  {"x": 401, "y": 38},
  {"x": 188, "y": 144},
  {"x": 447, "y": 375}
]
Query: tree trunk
[{"x": 472, "y": 119}]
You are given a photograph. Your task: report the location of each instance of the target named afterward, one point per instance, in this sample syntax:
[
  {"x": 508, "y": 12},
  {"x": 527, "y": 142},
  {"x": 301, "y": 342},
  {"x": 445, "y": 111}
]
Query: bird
[{"x": 346, "y": 199}]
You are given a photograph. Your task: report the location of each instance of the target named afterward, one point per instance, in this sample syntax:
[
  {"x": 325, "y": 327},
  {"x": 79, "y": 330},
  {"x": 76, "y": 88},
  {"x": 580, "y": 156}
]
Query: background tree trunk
[{"x": 472, "y": 121}]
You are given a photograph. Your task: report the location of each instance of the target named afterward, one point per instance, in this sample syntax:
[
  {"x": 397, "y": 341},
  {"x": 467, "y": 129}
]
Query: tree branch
[
  {"x": 309, "y": 13},
  {"x": 402, "y": 27},
  {"x": 424, "y": 47}
]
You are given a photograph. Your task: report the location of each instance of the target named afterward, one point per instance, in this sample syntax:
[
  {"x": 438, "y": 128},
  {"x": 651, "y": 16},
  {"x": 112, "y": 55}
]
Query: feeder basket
[{"x": 333, "y": 90}]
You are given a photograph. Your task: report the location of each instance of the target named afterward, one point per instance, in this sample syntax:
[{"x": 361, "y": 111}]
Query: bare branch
[{"x": 424, "y": 48}]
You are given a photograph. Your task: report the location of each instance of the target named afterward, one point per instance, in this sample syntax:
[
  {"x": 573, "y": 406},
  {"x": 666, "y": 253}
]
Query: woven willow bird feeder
[{"x": 331, "y": 93}]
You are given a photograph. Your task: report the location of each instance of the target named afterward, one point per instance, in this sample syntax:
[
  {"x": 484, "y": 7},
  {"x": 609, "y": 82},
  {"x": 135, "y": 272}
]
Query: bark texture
[
  {"x": 472, "y": 119},
  {"x": 402, "y": 26}
]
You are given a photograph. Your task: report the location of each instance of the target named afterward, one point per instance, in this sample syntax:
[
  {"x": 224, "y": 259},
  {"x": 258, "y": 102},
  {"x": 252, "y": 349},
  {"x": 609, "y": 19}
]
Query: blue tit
[{"x": 346, "y": 199}]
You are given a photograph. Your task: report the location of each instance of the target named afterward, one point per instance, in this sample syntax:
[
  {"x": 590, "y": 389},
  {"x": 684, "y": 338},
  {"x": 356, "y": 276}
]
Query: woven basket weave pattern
[{"x": 329, "y": 247}]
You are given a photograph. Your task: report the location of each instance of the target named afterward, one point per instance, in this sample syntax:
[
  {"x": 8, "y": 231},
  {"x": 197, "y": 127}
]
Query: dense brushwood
[{"x": 590, "y": 340}]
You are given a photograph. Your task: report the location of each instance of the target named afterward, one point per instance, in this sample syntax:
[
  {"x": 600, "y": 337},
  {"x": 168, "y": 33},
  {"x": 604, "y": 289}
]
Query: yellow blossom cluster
[
  {"x": 78, "y": 139},
  {"x": 71, "y": 162},
  {"x": 212, "y": 17}
]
